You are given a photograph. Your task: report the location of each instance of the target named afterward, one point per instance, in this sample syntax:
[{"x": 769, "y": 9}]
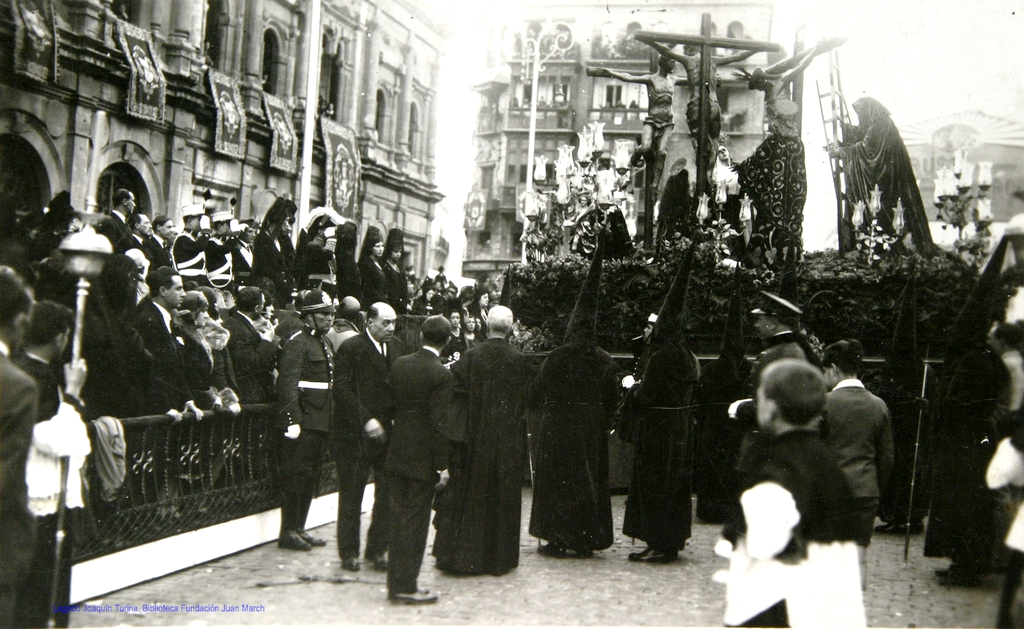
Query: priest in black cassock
[
  {"x": 574, "y": 396},
  {"x": 717, "y": 444},
  {"x": 657, "y": 415},
  {"x": 479, "y": 513}
]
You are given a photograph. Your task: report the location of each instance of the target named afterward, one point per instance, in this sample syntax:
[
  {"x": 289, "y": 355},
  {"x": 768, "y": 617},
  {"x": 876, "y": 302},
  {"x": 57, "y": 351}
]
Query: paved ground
[{"x": 605, "y": 590}]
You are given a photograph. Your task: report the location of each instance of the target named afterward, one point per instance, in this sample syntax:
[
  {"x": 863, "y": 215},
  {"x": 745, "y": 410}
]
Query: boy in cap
[
  {"x": 793, "y": 560},
  {"x": 304, "y": 392}
]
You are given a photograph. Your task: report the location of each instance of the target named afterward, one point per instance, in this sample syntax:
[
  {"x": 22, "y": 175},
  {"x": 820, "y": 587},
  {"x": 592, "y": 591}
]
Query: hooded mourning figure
[
  {"x": 899, "y": 384},
  {"x": 574, "y": 396},
  {"x": 395, "y": 286},
  {"x": 961, "y": 525},
  {"x": 876, "y": 155},
  {"x": 718, "y": 439},
  {"x": 349, "y": 283},
  {"x": 657, "y": 416},
  {"x": 371, "y": 273}
]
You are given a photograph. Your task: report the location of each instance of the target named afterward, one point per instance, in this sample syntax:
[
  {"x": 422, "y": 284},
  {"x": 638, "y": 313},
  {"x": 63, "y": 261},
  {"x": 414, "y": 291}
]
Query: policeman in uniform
[
  {"x": 218, "y": 250},
  {"x": 304, "y": 394},
  {"x": 189, "y": 251}
]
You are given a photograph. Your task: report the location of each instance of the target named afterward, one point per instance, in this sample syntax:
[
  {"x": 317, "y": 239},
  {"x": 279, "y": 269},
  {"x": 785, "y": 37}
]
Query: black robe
[
  {"x": 961, "y": 525},
  {"x": 373, "y": 282},
  {"x": 658, "y": 508},
  {"x": 575, "y": 396},
  {"x": 478, "y": 513},
  {"x": 718, "y": 439}
]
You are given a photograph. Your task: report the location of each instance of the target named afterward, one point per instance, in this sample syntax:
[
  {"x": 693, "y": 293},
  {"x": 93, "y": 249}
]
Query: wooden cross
[{"x": 705, "y": 43}]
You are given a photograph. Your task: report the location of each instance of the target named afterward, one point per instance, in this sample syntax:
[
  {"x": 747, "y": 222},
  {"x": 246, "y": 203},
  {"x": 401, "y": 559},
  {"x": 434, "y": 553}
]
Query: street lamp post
[{"x": 536, "y": 52}]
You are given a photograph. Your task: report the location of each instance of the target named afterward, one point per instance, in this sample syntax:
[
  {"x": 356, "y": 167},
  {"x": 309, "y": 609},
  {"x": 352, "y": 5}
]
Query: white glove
[
  {"x": 374, "y": 429},
  {"x": 293, "y": 431},
  {"x": 734, "y": 408},
  {"x": 723, "y": 548},
  {"x": 628, "y": 382}
]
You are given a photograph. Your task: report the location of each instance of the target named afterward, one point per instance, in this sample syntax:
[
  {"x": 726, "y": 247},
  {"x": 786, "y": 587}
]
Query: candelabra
[
  {"x": 587, "y": 190},
  {"x": 961, "y": 203}
]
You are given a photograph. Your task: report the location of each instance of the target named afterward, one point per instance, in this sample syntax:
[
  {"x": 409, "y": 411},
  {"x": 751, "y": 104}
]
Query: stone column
[
  {"x": 86, "y": 17},
  {"x": 302, "y": 60},
  {"x": 179, "y": 48},
  {"x": 339, "y": 78},
  {"x": 404, "y": 98},
  {"x": 288, "y": 47},
  {"x": 252, "y": 89},
  {"x": 371, "y": 78},
  {"x": 352, "y": 94},
  {"x": 431, "y": 126}
]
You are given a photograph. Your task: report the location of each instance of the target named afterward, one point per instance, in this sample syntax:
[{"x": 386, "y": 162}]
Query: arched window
[
  {"x": 122, "y": 175},
  {"x": 382, "y": 114},
  {"x": 414, "y": 128},
  {"x": 271, "y": 53},
  {"x": 216, "y": 25}
]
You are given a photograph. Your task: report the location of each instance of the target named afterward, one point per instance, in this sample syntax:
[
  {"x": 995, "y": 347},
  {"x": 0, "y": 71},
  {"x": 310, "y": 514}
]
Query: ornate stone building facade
[
  {"x": 599, "y": 33},
  {"x": 185, "y": 101}
]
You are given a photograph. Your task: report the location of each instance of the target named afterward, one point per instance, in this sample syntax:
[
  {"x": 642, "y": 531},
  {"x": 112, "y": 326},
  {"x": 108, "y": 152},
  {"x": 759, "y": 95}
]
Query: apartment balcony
[
  {"x": 620, "y": 120},
  {"x": 548, "y": 119}
]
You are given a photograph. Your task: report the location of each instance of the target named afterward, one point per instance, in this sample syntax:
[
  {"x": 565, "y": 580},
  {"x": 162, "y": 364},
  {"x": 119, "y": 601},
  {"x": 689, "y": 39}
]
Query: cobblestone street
[{"x": 605, "y": 590}]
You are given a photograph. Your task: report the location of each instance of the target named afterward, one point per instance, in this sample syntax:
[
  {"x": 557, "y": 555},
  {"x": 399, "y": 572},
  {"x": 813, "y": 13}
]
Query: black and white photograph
[{"x": 604, "y": 313}]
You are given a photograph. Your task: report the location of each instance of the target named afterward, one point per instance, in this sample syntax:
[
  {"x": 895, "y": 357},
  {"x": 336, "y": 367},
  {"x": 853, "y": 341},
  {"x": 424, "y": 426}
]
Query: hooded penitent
[
  {"x": 582, "y": 328},
  {"x": 668, "y": 329}
]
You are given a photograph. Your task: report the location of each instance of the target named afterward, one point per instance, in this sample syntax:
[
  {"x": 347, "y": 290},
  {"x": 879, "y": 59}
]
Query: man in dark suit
[
  {"x": 362, "y": 418},
  {"x": 253, "y": 355},
  {"x": 860, "y": 431},
  {"x": 144, "y": 240},
  {"x": 417, "y": 457},
  {"x": 17, "y": 416},
  {"x": 115, "y": 226},
  {"x": 168, "y": 387}
]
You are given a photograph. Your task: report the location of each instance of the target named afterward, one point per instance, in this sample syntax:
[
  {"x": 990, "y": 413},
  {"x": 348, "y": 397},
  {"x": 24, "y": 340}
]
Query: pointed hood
[
  {"x": 904, "y": 339},
  {"x": 975, "y": 318},
  {"x": 582, "y": 328},
  {"x": 733, "y": 345},
  {"x": 669, "y": 326}
]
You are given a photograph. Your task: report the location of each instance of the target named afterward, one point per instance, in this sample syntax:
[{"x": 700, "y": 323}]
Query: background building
[
  {"x": 80, "y": 130},
  {"x": 600, "y": 34}
]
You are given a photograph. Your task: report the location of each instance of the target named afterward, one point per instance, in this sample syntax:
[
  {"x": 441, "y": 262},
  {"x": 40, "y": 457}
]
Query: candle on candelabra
[
  {"x": 875, "y": 200},
  {"x": 564, "y": 164},
  {"x": 585, "y": 151},
  {"x": 858, "y": 214},
  {"x": 597, "y": 135},
  {"x": 540, "y": 171},
  {"x": 746, "y": 215},
  {"x": 949, "y": 183},
  {"x": 562, "y": 193},
  {"x": 606, "y": 186},
  {"x": 959, "y": 157},
  {"x": 984, "y": 173},
  {"x": 622, "y": 153},
  {"x": 897, "y": 217},
  {"x": 702, "y": 208},
  {"x": 984, "y": 209},
  {"x": 966, "y": 176},
  {"x": 721, "y": 192}
]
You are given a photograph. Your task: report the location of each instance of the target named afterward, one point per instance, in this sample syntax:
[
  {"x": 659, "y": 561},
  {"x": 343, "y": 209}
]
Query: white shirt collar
[
  {"x": 432, "y": 350},
  {"x": 379, "y": 346},
  {"x": 849, "y": 383},
  {"x": 165, "y": 314}
]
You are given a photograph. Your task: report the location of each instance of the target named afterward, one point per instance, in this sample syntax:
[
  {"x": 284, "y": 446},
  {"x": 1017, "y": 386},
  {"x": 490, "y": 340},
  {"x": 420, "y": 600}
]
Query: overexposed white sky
[{"x": 920, "y": 59}]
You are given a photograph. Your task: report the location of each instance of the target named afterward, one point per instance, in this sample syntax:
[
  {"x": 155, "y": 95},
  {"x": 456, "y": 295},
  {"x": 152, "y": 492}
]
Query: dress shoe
[
  {"x": 421, "y": 597},
  {"x": 380, "y": 563},
  {"x": 659, "y": 556},
  {"x": 351, "y": 564},
  {"x": 309, "y": 539},
  {"x": 642, "y": 555},
  {"x": 292, "y": 541},
  {"x": 552, "y": 549}
]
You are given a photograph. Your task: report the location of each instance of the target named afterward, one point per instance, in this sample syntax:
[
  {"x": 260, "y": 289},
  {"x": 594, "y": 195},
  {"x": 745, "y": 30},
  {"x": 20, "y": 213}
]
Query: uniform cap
[
  {"x": 315, "y": 300},
  {"x": 193, "y": 209}
]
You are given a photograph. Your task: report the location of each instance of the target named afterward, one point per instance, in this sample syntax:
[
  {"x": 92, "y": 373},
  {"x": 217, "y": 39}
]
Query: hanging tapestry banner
[
  {"x": 284, "y": 149},
  {"x": 342, "y": 167},
  {"x": 35, "y": 39},
  {"x": 147, "y": 87},
  {"x": 229, "y": 138},
  {"x": 475, "y": 212}
]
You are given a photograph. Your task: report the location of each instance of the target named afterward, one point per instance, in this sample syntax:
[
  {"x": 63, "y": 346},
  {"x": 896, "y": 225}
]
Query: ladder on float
[{"x": 832, "y": 119}]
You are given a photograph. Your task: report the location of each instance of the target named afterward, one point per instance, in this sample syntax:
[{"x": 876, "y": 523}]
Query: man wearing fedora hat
[{"x": 304, "y": 393}]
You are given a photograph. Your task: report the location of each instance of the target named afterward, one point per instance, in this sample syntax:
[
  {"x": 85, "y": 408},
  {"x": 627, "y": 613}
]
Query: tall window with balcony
[
  {"x": 271, "y": 53},
  {"x": 330, "y": 79},
  {"x": 217, "y": 20}
]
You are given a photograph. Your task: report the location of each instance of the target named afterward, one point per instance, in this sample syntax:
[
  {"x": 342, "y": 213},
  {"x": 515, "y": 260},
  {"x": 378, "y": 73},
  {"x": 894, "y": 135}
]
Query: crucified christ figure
[{"x": 775, "y": 80}]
